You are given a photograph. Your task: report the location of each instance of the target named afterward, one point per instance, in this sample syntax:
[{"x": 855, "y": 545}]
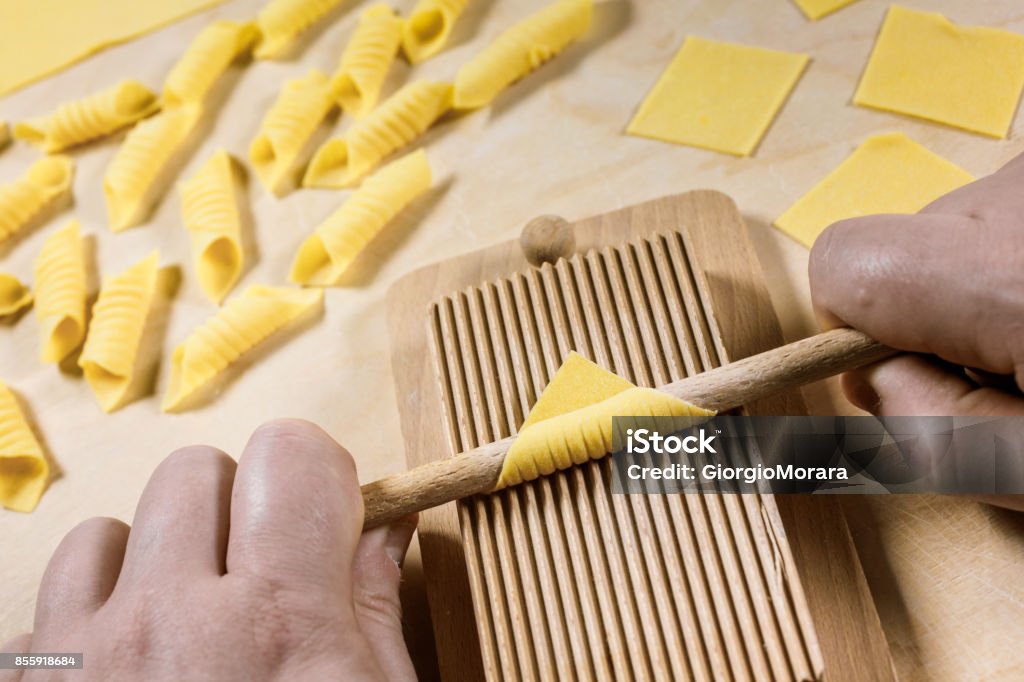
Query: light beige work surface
[{"x": 947, "y": 572}]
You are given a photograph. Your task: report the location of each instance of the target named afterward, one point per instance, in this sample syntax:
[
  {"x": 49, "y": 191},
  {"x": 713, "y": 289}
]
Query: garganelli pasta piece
[
  {"x": 90, "y": 118},
  {"x": 45, "y": 185},
  {"x": 366, "y": 60},
  {"x": 519, "y": 50},
  {"x": 403, "y": 117},
  {"x": 300, "y": 108},
  {"x": 60, "y": 293},
  {"x": 209, "y": 202},
  {"x": 115, "y": 332},
  {"x": 428, "y": 27},
  {"x": 13, "y": 295},
  {"x": 328, "y": 252},
  {"x": 242, "y": 323},
  {"x": 572, "y": 420},
  {"x": 282, "y": 21},
  {"x": 24, "y": 471},
  {"x": 134, "y": 176},
  {"x": 209, "y": 56},
  {"x": 5, "y": 134}
]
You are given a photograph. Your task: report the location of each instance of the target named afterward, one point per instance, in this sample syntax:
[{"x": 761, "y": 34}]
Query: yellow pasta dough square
[
  {"x": 718, "y": 96},
  {"x": 926, "y": 66},
  {"x": 888, "y": 173},
  {"x": 816, "y": 9}
]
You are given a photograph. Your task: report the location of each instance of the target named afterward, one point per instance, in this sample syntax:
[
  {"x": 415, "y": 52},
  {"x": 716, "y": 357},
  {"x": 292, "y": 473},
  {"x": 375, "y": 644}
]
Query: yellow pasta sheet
[
  {"x": 888, "y": 173},
  {"x": 24, "y": 471},
  {"x": 816, "y": 9},
  {"x": 572, "y": 420},
  {"x": 366, "y": 60},
  {"x": 40, "y": 37},
  {"x": 210, "y": 208},
  {"x": 429, "y": 26},
  {"x": 243, "y": 322},
  {"x": 14, "y": 296},
  {"x": 44, "y": 187},
  {"x": 325, "y": 256},
  {"x": 60, "y": 293},
  {"x": 403, "y": 117},
  {"x": 519, "y": 50},
  {"x": 924, "y": 65},
  {"x": 718, "y": 96}
]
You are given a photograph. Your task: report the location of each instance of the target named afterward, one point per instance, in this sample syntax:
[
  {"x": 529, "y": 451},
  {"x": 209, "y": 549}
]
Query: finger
[
  {"x": 296, "y": 511},
  {"x": 377, "y": 577},
  {"x": 897, "y": 278},
  {"x": 975, "y": 199},
  {"x": 81, "y": 574},
  {"x": 22, "y": 644},
  {"x": 181, "y": 523}
]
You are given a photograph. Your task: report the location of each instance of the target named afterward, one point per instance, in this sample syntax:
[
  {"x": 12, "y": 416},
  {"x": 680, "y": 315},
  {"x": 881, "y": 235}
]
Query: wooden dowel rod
[{"x": 720, "y": 389}]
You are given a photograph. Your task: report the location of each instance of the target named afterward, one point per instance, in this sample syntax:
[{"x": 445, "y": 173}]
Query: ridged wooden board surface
[{"x": 560, "y": 578}]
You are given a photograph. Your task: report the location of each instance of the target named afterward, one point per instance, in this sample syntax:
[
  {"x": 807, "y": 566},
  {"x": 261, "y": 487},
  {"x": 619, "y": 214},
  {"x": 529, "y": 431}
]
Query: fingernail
[{"x": 397, "y": 543}]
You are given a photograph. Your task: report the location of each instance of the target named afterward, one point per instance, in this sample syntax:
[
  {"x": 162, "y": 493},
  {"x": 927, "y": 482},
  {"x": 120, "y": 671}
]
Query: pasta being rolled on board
[
  {"x": 366, "y": 60},
  {"x": 519, "y": 50},
  {"x": 24, "y": 471},
  {"x": 118, "y": 319},
  {"x": 281, "y": 22},
  {"x": 342, "y": 161},
  {"x": 328, "y": 252},
  {"x": 287, "y": 128},
  {"x": 90, "y": 118},
  {"x": 14, "y": 296},
  {"x": 133, "y": 177},
  {"x": 572, "y": 420},
  {"x": 60, "y": 293},
  {"x": 428, "y": 28},
  {"x": 206, "y": 59},
  {"x": 44, "y": 187},
  {"x": 209, "y": 202},
  {"x": 243, "y": 322}
]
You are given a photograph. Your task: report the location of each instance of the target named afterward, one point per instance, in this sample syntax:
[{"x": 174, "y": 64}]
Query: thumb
[{"x": 377, "y": 575}]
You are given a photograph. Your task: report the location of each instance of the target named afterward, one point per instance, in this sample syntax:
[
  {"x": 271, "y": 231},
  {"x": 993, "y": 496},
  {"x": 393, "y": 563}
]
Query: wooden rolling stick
[{"x": 724, "y": 388}]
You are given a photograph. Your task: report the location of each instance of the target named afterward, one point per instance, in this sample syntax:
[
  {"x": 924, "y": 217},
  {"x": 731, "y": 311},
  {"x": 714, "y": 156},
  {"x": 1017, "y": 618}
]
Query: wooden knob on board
[{"x": 546, "y": 239}]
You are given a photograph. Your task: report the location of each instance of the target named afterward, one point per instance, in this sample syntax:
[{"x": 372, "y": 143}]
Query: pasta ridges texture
[
  {"x": 90, "y": 118},
  {"x": 299, "y": 110},
  {"x": 60, "y": 293},
  {"x": 520, "y": 50},
  {"x": 427, "y": 30},
  {"x": 141, "y": 161},
  {"x": 24, "y": 470},
  {"x": 325, "y": 256},
  {"x": 118, "y": 320},
  {"x": 241, "y": 324},
  {"x": 210, "y": 208},
  {"x": 341, "y": 162},
  {"x": 366, "y": 60},
  {"x": 13, "y": 295},
  {"x": 209, "y": 56},
  {"x": 280, "y": 22},
  {"x": 46, "y": 183}
]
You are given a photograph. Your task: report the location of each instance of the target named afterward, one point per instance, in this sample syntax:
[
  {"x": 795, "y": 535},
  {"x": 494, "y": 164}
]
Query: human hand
[
  {"x": 946, "y": 285},
  {"x": 258, "y": 571}
]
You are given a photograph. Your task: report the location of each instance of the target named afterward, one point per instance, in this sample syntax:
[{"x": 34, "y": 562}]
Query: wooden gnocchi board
[{"x": 559, "y": 578}]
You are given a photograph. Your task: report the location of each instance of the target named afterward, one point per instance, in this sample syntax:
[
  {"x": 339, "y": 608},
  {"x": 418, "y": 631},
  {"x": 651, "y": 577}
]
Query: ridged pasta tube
[
  {"x": 329, "y": 251},
  {"x": 287, "y": 128},
  {"x": 119, "y": 317},
  {"x": 366, "y": 60},
  {"x": 205, "y": 60},
  {"x": 280, "y": 22},
  {"x": 5, "y": 134},
  {"x": 403, "y": 117},
  {"x": 24, "y": 471},
  {"x": 134, "y": 176},
  {"x": 45, "y": 186},
  {"x": 209, "y": 203},
  {"x": 13, "y": 295},
  {"x": 427, "y": 29},
  {"x": 519, "y": 50},
  {"x": 60, "y": 293},
  {"x": 89, "y": 118},
  {"x": 241, "y": 324}
]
